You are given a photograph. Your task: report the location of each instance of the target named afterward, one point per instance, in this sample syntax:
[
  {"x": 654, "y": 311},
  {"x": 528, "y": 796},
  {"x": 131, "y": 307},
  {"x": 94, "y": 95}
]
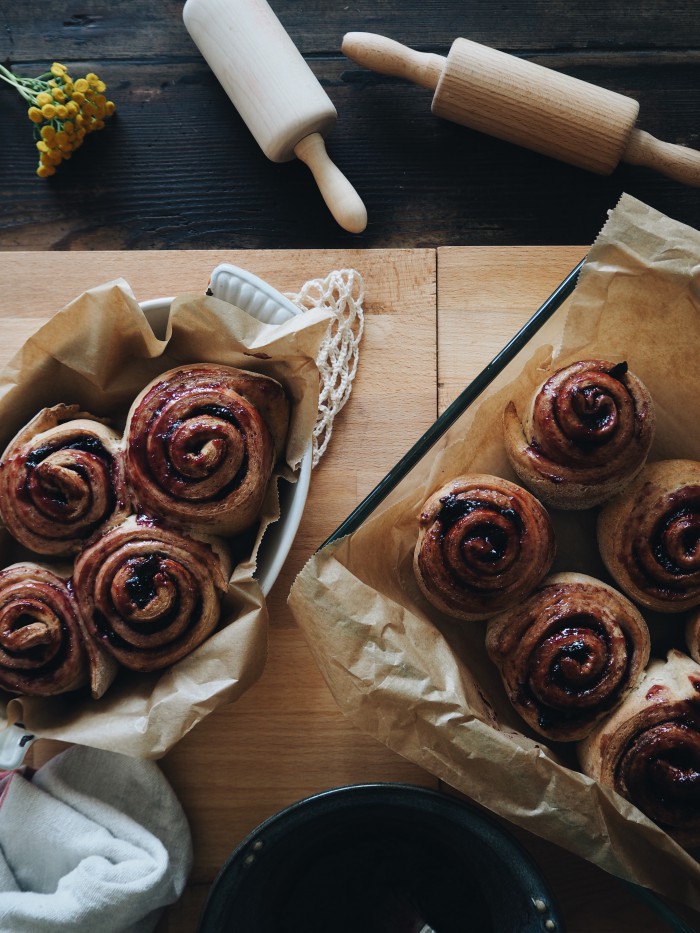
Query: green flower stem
[
  {"x": 27, "y": 87},
  {"x": 30, "y": 98},
  {"x": 17, "y": 83}
]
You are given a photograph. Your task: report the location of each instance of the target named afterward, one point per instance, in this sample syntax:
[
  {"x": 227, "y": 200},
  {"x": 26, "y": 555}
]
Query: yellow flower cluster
[{"x": 62, "y": 110}]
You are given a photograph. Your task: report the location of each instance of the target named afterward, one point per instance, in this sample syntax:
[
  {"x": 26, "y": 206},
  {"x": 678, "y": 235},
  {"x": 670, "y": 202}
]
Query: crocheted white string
[{"x": 342, "y": 293}]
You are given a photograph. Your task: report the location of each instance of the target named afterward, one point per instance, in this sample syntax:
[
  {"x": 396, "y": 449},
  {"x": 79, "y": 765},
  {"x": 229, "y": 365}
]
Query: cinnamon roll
[
  {"x": 586, "y": 435},
  {"x": 568, "y": 654},
  {"x": 649, "y": 536},
  {"x": 648, "y": 749},
  {"x": 202, "y": 441},
  {"x": 149, "y": 595},
  {"x": 41, "y": 641},
  {"x": 61, "y": 479},
  {"x": 483, "y": 545}
]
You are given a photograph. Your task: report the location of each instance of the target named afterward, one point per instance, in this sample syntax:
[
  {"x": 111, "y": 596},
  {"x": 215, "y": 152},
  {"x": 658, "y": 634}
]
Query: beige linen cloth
[{"x": 93, "y": 842}]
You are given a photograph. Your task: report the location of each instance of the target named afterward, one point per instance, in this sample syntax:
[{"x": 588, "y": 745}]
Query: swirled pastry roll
[
  {"x": 568, "y": 654},
  {"x": 202, "y": 441},
  {"x": 649, "y": 536},
  {"x": 41, "y": 640},
  {"x": 648, "y": 749},
  {"x": 150, "y": 595},
  {"x": 62, "y": 479},
  {"x": 483, "y": 544},
  {"x": 586, "y": 435}
]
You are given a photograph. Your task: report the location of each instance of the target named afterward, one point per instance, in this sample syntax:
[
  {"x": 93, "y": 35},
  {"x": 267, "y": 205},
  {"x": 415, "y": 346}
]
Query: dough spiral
[
  {"x": 62, "y": 479},
  {"x": 649, "y": 536},
  {"x": 202, "y": 441},
  {"x": 483, "y": 544},
  {"x": 149, "y": 595},
  {"x": 569, "y": 654},
  {"x": 586, "y": 435},
  {"x": 41, "y": 640},
  {"x": 648, "y": 750}
]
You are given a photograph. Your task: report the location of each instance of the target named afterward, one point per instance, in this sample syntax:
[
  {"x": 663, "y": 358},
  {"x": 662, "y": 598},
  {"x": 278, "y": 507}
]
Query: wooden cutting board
[{"x": 433, "y": 320}]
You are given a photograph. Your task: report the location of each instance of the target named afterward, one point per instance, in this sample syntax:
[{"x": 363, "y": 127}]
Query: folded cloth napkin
[{"x": 92, "y": 842}]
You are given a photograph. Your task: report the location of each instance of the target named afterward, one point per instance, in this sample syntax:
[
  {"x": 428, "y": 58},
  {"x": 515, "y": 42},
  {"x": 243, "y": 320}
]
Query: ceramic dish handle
[{"x": 245, "y": 290}]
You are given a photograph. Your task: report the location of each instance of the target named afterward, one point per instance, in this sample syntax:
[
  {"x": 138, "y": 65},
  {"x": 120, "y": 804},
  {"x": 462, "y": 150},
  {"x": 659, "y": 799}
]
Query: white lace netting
[{"x": 341, "y": 292}]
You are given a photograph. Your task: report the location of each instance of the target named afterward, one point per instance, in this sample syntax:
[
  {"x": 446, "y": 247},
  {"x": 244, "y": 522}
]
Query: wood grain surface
[
  {"x": 178, "y": 168},
  {"x": 433, "y": 320},
  {"x": 456, "y": 256}
]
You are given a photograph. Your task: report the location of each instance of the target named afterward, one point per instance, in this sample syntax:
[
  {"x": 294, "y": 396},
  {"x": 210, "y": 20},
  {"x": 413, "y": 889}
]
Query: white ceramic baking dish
[{"x": 260, "y": 300}]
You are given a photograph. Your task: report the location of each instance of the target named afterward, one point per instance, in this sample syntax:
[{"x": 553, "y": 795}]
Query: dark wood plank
[
  {"x": 178, "y": 168},
  {"x": 130, "y": 30}
]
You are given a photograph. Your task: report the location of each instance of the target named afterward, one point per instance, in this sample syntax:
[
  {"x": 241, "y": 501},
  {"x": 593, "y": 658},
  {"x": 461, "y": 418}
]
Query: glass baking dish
[{"x": 543, "y": 325}]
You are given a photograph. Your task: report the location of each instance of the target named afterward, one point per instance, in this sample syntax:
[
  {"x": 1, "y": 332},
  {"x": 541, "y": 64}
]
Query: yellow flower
[{"x": 63, "y": 111}]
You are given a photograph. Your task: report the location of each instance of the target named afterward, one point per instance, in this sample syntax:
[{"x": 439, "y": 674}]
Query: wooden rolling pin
[
  {"x": 529, "y": 105},
  {"x": 275, "y": 92}
]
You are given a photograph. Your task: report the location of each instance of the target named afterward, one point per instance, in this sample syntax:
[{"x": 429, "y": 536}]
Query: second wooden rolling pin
[{"x": 527, "y": 104}]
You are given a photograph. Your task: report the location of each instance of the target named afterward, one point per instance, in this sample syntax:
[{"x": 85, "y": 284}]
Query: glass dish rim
[{"x": 456, "y": 408}]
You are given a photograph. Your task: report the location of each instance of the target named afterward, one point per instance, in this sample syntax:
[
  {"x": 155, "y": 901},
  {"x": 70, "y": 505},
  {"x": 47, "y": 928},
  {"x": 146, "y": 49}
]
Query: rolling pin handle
[
  {"x": 391, "y": 58},
  {"x": 677, "y": 162},
  {"x": 341, "y": 198}
]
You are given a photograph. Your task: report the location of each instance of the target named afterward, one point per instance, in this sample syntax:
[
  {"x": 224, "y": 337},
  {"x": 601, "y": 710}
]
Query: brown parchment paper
[
  {"x": 423, "y": 684},
  {"x": 100, "y": 351}
]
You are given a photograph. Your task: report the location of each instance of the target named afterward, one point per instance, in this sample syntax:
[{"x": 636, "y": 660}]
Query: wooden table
[
  {"x": 285, "y": 738},
  {"x": 459, "y": 230},
  {"x": 177, "y": 168}
]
